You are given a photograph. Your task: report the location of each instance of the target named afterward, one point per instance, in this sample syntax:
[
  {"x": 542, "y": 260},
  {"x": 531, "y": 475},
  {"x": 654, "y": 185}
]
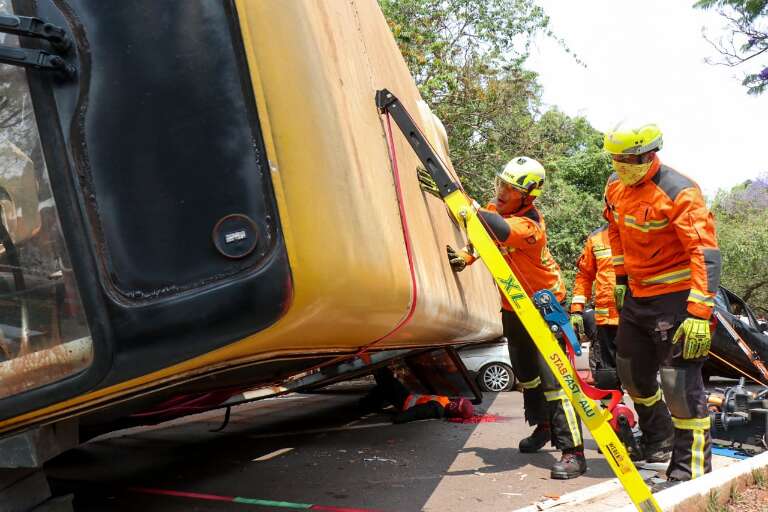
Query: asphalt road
[{"x": 317, "y": 452}]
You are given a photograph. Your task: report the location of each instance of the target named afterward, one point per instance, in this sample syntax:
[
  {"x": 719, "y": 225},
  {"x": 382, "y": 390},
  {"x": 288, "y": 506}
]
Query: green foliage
[
  {"x": 741, "y": 217},
  {"x": 441, "y": 39},
  {"x": 713, "y": 502},
  {"x": 570, "y": 215},
  {"x": 467, "y": 58},
  {"x": 759, "y": 476},
  {"x": 747, "y": 38},
  {"x": 587, "y": 171},
  {"x": 753, "y": 8}
]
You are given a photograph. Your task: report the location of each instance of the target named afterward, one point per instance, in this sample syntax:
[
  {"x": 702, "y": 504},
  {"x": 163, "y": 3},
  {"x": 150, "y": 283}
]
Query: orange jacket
[
  {"x": 415, "y": 399},
  {"x": 596, "y": 266},
  {"x": 522, "y": 238},
  {"x": 663, "y": 237}
]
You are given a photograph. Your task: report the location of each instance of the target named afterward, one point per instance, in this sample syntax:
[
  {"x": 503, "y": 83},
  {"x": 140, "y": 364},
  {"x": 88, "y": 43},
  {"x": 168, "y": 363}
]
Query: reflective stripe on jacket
[
  {"x": 417, "y": 399},
  {"x": 663, "y": 237},
  {"x": 596, "y": 266}
]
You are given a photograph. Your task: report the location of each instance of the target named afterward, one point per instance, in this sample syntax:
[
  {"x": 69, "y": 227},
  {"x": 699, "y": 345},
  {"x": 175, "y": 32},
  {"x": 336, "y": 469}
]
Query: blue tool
[{"x": 556, "y": 317}]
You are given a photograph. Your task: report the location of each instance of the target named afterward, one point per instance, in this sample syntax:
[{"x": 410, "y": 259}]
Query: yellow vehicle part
[{"x": 314, "y": 67}]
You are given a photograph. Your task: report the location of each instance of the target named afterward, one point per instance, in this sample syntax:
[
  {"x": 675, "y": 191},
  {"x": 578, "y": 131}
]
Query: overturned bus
[{"x": 198, "y": 198}]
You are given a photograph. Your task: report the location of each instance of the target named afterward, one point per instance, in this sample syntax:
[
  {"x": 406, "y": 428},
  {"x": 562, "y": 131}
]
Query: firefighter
[
  {"x": 667, "y": 266},
  {"x": 521, "y": 234},
  {"x": 412, "y": 406},
  {"x": 596, "y": 267}
]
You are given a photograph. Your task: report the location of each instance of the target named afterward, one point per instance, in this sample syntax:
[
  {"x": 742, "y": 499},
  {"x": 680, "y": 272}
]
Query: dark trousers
[
  {"x": 543, "y": 399},
  {"x": 644, "y": 348},
  {"x": 604, "y": 372}
]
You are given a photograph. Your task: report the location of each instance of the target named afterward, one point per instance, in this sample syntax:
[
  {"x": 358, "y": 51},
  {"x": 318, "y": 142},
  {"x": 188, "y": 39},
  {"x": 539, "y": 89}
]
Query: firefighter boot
[
  {"x": 541, "y": 435},
  {"x": 658, "y": 452},
  {"x": 570, "y": 465}
]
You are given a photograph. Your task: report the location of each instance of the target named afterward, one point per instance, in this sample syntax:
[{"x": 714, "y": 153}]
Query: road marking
[
  {"x": 272, "y": 455},
  {"x": 245, "y": 501},
  {"x": 358, "y": 420}
]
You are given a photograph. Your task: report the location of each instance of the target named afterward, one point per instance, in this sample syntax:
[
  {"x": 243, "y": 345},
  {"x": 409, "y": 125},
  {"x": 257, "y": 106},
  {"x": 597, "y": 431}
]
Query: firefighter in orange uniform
[
  {"x": 667, "y": 266},
  {"x": 412, "y": 406},
  {"x": 595, "y": 266},
  {"x": 521, "y": 234}
]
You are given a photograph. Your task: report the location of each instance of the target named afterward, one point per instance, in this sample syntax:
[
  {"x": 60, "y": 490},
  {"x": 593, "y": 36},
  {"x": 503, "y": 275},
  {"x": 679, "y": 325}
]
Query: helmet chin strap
[{"x": 523, "y": 203}]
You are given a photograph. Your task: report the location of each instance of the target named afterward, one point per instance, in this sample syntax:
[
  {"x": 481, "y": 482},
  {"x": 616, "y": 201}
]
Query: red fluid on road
[{"x": 481, "y": 418}]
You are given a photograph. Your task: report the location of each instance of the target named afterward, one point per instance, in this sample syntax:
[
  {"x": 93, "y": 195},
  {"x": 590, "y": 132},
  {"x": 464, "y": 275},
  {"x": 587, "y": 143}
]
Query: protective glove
[
  {"x": 696, "y": 337},
  {"x": 619, "y": 291},
  {"x": 427, "y": 182},
  {"x": 456, "y": 259},
  {"x": 577, "y": 321}
]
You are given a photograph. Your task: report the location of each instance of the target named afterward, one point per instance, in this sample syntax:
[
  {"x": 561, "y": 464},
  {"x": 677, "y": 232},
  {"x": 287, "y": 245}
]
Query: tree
[
  {"x": 747, "y": 22},
  {"x": 570, "y": 215},
  {"x": 741, "y": 215},
  {"x": 467, "y": 58}
]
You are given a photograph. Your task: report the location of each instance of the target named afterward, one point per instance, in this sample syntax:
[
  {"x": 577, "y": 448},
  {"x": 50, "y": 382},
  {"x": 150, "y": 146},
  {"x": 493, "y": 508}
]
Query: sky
[{"x": 645, "y": 63}]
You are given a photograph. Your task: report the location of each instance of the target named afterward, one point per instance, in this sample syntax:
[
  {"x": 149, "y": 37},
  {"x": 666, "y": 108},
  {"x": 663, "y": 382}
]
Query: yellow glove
[
  {"x": 696, "y": 337},
  {"x": 457, "y": 259},
  {"x": 619, "y": 291},
  {"x": 577, "y": 321},
  {"x": 427, "y": 182}
]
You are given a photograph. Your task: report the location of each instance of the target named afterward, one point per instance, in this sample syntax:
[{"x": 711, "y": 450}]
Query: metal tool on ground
[{"x": 460, "y": 205}]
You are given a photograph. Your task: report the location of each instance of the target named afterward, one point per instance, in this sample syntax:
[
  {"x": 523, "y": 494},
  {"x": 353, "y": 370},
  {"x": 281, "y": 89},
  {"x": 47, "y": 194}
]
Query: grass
[
  {"x": 760, "y": 478},
  {"x": 713, "y": 504},
  {"x": 734, "y": 496}
]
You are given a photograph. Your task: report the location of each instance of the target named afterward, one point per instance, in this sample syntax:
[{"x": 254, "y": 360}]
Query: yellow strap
[
  {"x": 593, "y": 416},
  {"x": 648, "y": 401},
  {"x": 691, "y": 423},
  {"x": 531, "y": 384}
]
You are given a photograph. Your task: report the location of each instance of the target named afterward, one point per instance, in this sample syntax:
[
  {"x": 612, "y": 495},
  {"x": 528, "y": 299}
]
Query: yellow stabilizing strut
[{"x": 594, "y": 417}]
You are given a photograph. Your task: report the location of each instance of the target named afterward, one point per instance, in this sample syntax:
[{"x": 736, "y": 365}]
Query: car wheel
[{"x": 496, "y": 377}]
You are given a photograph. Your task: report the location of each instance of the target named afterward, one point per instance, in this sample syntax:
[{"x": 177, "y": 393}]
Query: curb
[{"x": 695, "y": 495}]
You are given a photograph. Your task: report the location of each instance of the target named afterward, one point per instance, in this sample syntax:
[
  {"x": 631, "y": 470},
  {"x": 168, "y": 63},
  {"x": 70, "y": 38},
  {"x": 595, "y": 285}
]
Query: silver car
[{"x": 490, "y": 363}]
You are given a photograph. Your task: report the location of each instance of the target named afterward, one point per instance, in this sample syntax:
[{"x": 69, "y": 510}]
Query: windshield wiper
[
  {"x": 51, "y": 60},
  {"x": 35, "y": 27}
]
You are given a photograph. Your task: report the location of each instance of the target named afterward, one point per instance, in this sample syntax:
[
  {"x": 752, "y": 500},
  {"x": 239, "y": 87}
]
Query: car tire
[{"x": 496, "y": 377}]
